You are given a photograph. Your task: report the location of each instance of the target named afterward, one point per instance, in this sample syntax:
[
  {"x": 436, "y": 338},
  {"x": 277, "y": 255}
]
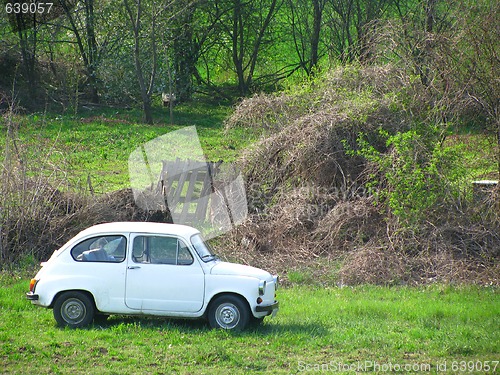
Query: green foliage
[{"x": 415, "y": 176}]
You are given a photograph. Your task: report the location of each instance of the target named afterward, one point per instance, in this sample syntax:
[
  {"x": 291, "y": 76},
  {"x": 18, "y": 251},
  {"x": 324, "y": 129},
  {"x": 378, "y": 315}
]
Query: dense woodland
[{"x": 131, "y": 51}]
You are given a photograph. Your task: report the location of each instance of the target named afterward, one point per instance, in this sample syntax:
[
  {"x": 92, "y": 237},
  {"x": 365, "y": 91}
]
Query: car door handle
[{"x": 133, "y": 267}]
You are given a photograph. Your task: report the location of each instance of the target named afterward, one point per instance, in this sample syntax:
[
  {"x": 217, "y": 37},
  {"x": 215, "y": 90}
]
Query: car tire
[
  {"x": 74, "y": 310},
  {"x": 229, "y": 312}
]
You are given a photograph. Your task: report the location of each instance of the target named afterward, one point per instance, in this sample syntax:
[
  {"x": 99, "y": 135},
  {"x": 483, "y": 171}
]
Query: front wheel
[
  {"x": 74, "y": 310},
  {"x": 228, "y": 312}
]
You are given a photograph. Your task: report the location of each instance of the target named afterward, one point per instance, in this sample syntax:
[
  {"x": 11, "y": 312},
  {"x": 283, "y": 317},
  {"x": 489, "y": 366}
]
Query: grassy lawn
[
  {"x": 97, "y": 143},
  {"x": 365, "y": 329}
]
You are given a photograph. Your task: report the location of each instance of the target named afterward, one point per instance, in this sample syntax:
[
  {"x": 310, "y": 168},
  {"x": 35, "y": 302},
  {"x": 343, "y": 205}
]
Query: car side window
[
  {"x": 160, "y": 250},
  {"x": 109, "y": 249},
  {"x": 184, "y": 257}
]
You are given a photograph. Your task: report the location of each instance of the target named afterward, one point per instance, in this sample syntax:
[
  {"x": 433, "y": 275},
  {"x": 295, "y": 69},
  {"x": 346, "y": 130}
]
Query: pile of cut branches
[{"x": 315, "y": 199}]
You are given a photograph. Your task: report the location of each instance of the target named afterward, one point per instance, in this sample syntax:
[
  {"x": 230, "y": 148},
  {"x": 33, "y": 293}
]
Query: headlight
[{"x": 262, "y": 287}]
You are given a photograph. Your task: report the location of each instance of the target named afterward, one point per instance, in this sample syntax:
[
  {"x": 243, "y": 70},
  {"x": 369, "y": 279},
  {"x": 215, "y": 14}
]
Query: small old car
[{"x": 136, "y": 268}]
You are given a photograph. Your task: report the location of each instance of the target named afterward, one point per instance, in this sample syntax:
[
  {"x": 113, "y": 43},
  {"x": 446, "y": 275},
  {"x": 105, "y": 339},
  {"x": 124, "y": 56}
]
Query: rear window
[{"x": 110, "y": 249}]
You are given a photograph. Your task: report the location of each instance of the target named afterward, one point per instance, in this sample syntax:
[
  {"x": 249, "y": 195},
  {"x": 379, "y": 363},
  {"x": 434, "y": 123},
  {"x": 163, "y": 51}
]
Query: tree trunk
[
  {"x": 145, "y": 96},
  {"x": 87, "y": 44},
  {"x": 430, "y": 14},
  {"x": 148, "y": 110},
  {"x": 315, "y": 36},
  {"x": 185, "y": 54},
  {"x": 135, "y": 21},
  {"x": 92, "y": 50},
  {"x": 238, "y": 47},
  {"x": 28, "y": 52}
]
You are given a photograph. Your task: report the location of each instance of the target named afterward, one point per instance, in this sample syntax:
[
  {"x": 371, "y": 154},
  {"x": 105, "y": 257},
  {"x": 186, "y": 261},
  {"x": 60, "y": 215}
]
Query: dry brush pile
[
  {"x": 313, "y": 201},
  {"x": 38, "y": 215}
]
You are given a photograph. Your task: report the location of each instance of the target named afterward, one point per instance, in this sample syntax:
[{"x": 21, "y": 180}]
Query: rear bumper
[
  {"x": 270, "y": 309},
  {"x": 31, "y": 296}
]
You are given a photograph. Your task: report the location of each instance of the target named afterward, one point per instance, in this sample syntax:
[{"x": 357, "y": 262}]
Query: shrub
[{"x": 415, "y": 177}]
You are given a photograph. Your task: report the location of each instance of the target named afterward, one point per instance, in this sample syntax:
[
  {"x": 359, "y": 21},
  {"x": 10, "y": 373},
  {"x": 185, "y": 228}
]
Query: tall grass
[{"x": 31, "y": 192}]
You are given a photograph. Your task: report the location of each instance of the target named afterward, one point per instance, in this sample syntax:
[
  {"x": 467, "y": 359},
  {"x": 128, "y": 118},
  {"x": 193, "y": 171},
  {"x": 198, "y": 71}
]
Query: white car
[{"x": 134, "y": 268}]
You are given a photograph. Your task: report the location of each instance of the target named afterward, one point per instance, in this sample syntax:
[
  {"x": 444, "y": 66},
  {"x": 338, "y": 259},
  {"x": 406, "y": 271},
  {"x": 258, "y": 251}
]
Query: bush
[{"x": 417, "y": 177}]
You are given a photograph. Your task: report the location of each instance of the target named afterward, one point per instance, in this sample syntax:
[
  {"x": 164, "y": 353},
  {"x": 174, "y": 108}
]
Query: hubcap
[
  {"x": 73, "y": 311},
  {"x": 227, "y": 316}
]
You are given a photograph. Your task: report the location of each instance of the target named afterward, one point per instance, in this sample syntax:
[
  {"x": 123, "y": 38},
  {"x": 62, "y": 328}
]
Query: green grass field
[
  {"x": 365, "y": 329},
  {"x": 97, "y": 143}
]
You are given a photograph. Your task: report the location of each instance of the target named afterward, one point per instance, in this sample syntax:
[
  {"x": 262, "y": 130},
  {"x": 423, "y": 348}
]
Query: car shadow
[
  {"x": 198, "y": 325},
  {"x": 293, "y": 328}
]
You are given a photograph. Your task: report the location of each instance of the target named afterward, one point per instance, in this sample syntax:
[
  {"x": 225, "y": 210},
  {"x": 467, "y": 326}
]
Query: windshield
[{"x": 202, "y": 248}]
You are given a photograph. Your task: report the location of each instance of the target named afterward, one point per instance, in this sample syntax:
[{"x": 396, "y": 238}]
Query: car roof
[{"x": 140, "y": 227}]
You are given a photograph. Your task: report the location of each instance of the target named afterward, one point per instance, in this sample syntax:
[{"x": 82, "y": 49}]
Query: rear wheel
[
  {"x": 229, "y": 312},
  {"x": 74, "y": 310}
]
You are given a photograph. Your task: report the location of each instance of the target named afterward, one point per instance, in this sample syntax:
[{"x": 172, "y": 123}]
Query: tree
[
  {"x": 27, "y": 25},
  {"x": 159, "y": 16},
  {"x": 305, "y": 19},
  {"x": 368, "y": 14},
  {"x": 245, "y": 25},
  {"x": 245, "y": 42},
  {"x": 82, "y": 21},
  {"x": 28, "y": 41},
  {"x": 421, "y": 24},
  {"x": 354, "y": 24},
  {"x": 185, "y": 51},
  {"x": 135, "y": 10}
]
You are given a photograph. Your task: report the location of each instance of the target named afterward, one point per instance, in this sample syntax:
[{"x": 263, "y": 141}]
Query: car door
[
  {"x": 100, "y": 268},
  {"x": 163, "y": 275}
]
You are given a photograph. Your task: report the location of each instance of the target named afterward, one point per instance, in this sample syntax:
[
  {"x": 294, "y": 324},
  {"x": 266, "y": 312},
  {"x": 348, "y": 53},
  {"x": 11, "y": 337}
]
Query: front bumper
[
  {"x": 270, "y": 309},
  {"x": 31, "y": 296}
]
